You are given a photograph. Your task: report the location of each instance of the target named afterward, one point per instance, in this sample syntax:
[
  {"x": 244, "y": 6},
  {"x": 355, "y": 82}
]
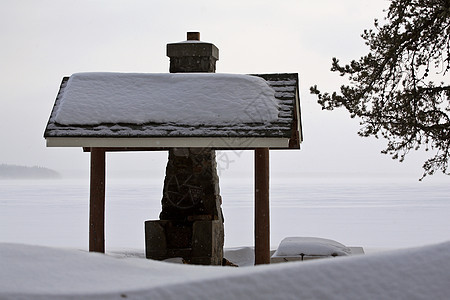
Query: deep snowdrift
[{"x": 32, "y": 272}]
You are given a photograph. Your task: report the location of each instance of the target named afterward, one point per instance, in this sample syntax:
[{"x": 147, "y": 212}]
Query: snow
[
  {"x": 241, "y": 256},
  {"x": 36, "y": 272},
  {"x": 192, "y": 42},
  {"x": 188, "y": 99},
  {"x": 310, "y": 246},
  {"x": 385, "y": 214}
]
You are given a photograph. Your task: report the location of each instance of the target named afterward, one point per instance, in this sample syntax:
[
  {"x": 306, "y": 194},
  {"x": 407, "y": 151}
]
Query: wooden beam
[
  {"x": 150, "y": 149},
  {"x": 218, "y": 142},
  {"x": 128, "y": 149},
  {"x": 262, "y": 209},
  {"x": 97, "y": 201}
]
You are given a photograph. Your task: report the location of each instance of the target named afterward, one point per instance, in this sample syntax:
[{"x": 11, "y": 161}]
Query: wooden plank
[
  {"x": 149, "y": 149},
  {"x": 128, "y": 149},
  {"x": 97, "y": 201},
  {"x": 225, "y": 142},
  {"x": 262, "y": 209}
]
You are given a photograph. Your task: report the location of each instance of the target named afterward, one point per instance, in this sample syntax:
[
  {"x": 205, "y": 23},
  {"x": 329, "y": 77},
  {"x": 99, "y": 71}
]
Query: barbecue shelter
[{"x": 190, "y": 112}]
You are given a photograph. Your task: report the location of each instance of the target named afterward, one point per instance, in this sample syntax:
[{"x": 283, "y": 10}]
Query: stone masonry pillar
[{"x": 191, "y": 221}]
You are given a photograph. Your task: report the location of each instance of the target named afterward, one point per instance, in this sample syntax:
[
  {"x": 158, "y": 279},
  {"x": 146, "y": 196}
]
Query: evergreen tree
[{"x": 400, "y": 89}]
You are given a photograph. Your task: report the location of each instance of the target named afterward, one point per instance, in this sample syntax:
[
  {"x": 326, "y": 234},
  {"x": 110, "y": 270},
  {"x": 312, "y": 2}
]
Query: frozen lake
[{"x": 373, "y": 213}]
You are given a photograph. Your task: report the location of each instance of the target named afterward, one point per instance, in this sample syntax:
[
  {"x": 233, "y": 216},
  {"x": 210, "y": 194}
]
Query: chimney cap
[
  {"x": 193, "y": 47},
  {"x": 193, "y": 36}
]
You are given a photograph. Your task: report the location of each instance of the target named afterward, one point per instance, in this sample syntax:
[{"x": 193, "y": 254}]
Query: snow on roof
[
  {"x": 33, "y": 272},
  {"x": 188, "y": 110},
  {"x": 188, "y": 99}
]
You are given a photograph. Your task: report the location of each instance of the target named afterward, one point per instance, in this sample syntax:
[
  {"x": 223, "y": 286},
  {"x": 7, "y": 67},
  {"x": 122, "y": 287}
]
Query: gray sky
[{"x": 43, "y": 41}]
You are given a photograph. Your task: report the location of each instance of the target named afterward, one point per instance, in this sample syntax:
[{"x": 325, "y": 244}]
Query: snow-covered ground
[
  {"x": 35, "y": 272},
  {"x": 44, "y": 234}
]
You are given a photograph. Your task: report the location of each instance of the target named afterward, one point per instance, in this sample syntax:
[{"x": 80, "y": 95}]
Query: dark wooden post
[
  {"x": 262, "y": 209},
  {"x": 97, "y": 201}
]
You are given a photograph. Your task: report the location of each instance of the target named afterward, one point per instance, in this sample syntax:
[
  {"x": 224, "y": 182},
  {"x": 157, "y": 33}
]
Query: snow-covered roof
[{"x": 176, "y": 110}]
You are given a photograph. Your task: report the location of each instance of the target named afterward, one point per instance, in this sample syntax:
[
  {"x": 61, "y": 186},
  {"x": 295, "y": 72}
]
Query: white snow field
[
  {"x": 36, "y": 272},
  {"x": 371, "y": 214}
]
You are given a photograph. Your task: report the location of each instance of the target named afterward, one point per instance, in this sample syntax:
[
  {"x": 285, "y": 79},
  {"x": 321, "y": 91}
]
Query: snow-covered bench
[{"x": 304, "y": 248}]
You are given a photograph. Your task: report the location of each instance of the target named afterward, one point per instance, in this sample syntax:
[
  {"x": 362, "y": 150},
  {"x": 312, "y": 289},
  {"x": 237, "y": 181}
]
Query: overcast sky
[{"x": 42, "y": 41}]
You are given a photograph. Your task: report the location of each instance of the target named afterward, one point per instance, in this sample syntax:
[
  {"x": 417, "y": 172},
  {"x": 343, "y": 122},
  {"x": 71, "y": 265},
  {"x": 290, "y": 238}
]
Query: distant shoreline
[{"x": 24, "y": 172}]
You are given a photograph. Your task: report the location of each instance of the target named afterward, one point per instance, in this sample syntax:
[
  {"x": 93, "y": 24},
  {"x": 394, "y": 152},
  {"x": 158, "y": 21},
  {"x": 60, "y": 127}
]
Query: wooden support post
[
  {"x": 262, "y": 216},
  {"x": 97, "y": 201}
]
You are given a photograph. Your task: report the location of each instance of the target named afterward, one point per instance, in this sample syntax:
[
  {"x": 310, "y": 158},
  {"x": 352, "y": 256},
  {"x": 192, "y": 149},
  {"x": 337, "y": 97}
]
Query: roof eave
[{"x": 167, "y": 142}]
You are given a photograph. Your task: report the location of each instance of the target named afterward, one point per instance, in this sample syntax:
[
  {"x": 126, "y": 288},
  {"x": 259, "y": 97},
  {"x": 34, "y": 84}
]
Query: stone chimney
[
  {"x": 192, "y": 55},
  {"x": 191, "y": 221}
]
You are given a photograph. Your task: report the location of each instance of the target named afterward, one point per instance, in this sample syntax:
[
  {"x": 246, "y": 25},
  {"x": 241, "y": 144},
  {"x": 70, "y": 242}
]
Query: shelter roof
[{"x": 224, "y": 111}]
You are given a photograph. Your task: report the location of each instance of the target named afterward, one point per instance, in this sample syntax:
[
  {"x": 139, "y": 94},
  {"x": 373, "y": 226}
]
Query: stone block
[
  {"x": 178, "y": 235},
  {"x": 199, "y": 242},
  {"x": 155, "y": 240},
  {"x": 192, "y": 49},
  {"x": 189, "y": 57},
  {"x": 207, "y": 242}
]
